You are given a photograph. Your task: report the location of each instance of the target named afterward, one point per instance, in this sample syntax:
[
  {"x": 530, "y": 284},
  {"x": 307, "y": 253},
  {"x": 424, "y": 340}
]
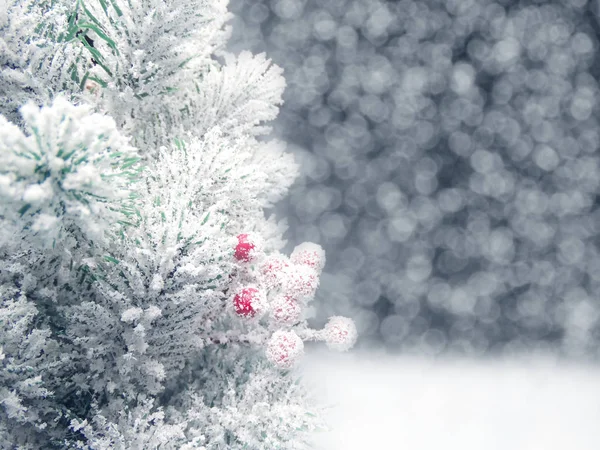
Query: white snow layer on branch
[
  {"x": 151, "y": 59},
  {"x": 70, "y": 168}
]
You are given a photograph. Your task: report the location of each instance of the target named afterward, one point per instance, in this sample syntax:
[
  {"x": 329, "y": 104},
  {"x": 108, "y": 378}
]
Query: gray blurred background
[{"x": 450, "y": 168}]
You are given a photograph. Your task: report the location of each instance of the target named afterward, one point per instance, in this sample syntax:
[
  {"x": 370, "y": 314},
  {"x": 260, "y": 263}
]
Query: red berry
[
  {"x": 243, "y": 248},
  {"x": 248, "y": 302}
]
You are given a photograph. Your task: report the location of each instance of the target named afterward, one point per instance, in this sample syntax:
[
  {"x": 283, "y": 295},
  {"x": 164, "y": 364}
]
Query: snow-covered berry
[
  {"x": 284, "y": 349},
  {"x": 247, "y": 248},
  {"x": 340, "y": 333},
  {"x": 249, "y": 301},
  {"x": 300, "y": 282},
  {"x": 273, "y": 270},
  {"x": 285, "y": 310},
  {"x": 309, "y": 254}
]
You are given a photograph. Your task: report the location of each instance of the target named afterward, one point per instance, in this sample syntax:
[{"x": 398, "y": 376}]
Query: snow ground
[{"x": 418, "y": 404}]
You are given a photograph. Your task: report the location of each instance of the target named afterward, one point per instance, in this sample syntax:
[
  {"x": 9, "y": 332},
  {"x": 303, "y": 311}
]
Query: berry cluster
[{"x": 274, "y": 290}]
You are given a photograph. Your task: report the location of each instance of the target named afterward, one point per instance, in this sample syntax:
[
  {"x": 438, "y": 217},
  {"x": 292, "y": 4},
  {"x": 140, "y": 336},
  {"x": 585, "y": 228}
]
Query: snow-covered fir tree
[{"x": 144, "y": 300}]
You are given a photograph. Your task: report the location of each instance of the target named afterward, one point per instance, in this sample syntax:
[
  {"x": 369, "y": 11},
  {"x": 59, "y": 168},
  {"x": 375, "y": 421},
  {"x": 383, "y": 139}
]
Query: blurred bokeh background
[{"x": 450, "y": 169}]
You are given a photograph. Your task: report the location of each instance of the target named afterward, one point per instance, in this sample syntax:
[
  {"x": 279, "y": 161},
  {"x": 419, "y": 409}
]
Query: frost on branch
[
  {"x": 37, "y": 64},
  {"x": 124, "y": 55},
  {"x": 27, "y": 357},
  {"x": 70, "y": 169}
]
